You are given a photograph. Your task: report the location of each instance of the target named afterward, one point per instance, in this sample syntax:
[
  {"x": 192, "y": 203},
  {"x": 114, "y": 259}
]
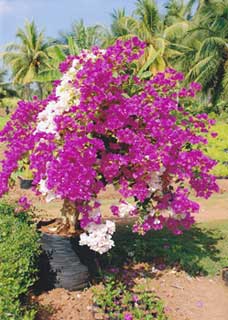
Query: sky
[{"x": 55, "y": 15}]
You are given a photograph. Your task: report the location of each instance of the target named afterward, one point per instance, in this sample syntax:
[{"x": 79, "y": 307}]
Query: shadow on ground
[{"x": 196, "y": 251}]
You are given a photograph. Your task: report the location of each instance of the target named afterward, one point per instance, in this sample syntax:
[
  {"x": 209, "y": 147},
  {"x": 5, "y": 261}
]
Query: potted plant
[
  {"x": 26, "y": 176},
  {"x": 109, "y": 123}
]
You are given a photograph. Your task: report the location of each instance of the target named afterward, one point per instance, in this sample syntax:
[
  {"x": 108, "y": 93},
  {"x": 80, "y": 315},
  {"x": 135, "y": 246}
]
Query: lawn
[
  {"x": 3, "y": 121},
  {"x": 217, "y": 149}
]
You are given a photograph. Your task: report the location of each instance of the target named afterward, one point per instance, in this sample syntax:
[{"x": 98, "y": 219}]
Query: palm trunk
[
  {"x": 40, "y": 89},
  {"x": 27, "y": 92}
]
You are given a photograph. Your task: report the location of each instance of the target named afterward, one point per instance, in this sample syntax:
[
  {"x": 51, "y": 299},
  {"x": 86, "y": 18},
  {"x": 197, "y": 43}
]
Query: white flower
[
  {"x": 98, "y": 236},
  {"x": 152, "y": 213},
  {"x": 125, "y": 209},
  {"x": 157, "y": 221},
  {"x": 176, "y": 216},
  {"x": 155, "y": 182},
  {"x": 42, "y": 187},
  {"x": 67, "y": 95},
  {"x": 111, "y": 227},
  {"x": 75, "y": 63},
  {"x": 49, "y": 194}
]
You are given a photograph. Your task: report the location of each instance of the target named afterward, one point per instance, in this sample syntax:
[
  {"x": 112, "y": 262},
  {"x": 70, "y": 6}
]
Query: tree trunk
[
  {"x": 40, "y": 89},
  {"x": 70, "y": 216},
  {"x": 27, "y": 93}
]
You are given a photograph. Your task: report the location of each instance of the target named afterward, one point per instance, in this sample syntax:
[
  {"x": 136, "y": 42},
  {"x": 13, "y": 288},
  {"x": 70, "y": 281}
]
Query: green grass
[
  {"x": 203, "y": 250},
  {"x": 9, "y": 102},
  {"x": 217, "y": 149},
  {"x": 3, "y": 121},
  {"x": 219, "y": 230}
]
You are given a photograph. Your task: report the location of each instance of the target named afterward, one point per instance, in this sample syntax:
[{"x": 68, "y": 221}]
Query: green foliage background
[{"x": 217, "y": 149}]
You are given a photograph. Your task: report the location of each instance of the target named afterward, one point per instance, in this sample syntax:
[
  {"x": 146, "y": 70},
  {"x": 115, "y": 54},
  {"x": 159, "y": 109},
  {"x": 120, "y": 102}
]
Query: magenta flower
[
  {"x": 128, "y": 316},
  {"x": 24, "y": 203},
  {"x": 135, "y": 298},
  {"x": 114, "y": 128}
]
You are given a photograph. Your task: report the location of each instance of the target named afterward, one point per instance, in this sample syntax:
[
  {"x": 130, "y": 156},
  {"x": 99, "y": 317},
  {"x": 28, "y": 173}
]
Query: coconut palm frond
[
  {"x": 204, "y": 70},
  {"x": 225, "y": 83},
  {"x": 48, "y": 76},
  {"x": 148, "y": 13},
  {"x": 211, "y": 46},
  {"x": 176, "y": 31}
]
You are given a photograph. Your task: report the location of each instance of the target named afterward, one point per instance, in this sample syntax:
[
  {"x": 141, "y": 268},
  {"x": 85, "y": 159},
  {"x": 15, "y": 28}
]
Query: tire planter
[{"x": 61, "y": 266}]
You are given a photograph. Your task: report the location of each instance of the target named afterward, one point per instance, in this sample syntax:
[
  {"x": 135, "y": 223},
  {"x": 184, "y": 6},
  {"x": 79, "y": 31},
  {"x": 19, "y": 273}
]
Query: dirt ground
[
  {"x": 215, "y": 208},
  {"x": 189, "y": 298},
  {"x": 60, "y": 304},
  {"x": 185, "y": 298}
]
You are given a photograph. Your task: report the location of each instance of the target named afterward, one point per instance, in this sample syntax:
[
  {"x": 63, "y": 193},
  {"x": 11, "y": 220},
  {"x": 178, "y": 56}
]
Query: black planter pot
[
  {"x": 63, "y": 263},
  {"x": 25, "y": 183}
]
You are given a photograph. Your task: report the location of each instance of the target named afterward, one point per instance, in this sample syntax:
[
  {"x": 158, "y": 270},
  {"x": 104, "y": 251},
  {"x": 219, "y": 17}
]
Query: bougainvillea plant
[{"x": 103, "y": 125}]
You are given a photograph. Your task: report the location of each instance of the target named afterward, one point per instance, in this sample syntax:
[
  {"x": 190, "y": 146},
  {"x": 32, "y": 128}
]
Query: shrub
[
  {"x": 19, "y": 250},
  {"x": 115, "y": 127}
]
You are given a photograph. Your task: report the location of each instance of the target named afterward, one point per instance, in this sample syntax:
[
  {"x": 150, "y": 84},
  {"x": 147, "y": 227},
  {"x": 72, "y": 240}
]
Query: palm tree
[
  {"x": 6, "y": 90},
  {"x": 178, "y": 11},
  {"x": 80, "y": 37},
  {"x": 117, "y": 29},
  {"x": 8, "y": 94},
  {"x": 148, "y": 24},
  {"x": 204, "y": 56},
  {"x": 84, "y": 37},
  {"x": 71, "y": 43},
  {"x": 28, "y": 57},
  {"x": 57, "y": 53}
]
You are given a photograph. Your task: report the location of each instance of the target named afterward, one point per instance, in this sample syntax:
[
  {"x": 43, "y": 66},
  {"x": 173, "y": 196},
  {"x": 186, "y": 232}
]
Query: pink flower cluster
[
  {"x": 24, "y": 203},
  {"x": 104, "y": 125}
]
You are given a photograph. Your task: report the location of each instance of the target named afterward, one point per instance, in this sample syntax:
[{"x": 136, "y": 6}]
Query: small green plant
[
  {"x": 116, "y": 300},
  {"x": 19, "y": 249}
]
